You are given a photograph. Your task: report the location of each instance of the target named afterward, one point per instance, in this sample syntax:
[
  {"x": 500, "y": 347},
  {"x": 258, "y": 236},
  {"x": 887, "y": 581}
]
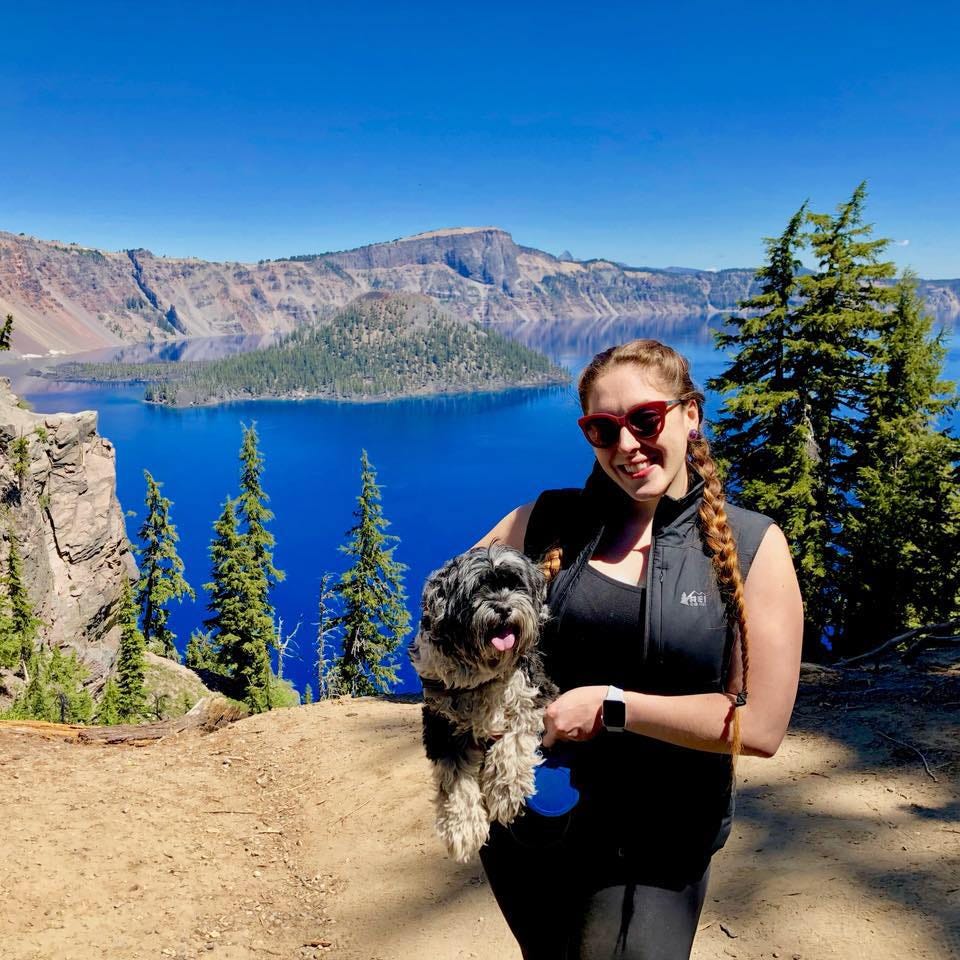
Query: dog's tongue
[{"x": 504, "y": 639}]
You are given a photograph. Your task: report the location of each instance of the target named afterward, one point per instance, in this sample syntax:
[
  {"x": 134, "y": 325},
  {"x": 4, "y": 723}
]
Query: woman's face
[{"x": 645, "y": 469}]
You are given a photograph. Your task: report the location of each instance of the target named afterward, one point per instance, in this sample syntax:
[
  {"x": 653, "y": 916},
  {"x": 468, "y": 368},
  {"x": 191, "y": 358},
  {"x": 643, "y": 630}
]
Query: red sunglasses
[{"x": 645, "y": 421}]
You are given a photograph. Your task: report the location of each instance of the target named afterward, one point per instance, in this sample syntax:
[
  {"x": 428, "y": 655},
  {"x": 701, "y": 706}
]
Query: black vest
[{"x": 686, "y": 648}]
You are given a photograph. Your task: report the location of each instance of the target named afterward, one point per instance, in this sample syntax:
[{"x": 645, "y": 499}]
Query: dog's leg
[
  {"x": 507, "y": 776},
  {"x": 461, "y": 816},
  {"x": 508, "y": 771}
]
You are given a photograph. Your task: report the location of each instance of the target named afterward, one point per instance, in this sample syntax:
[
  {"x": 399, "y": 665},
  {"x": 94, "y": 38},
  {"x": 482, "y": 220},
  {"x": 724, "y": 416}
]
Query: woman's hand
[{"x": 574, "y": 715}]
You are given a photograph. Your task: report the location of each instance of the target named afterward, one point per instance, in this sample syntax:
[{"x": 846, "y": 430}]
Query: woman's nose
[{"x": 626, "y": 440}]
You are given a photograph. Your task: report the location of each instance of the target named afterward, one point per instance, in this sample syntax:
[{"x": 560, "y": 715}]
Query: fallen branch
[
  {"x": 909, "y": 747},
  {"x": 895, "y": 641}
]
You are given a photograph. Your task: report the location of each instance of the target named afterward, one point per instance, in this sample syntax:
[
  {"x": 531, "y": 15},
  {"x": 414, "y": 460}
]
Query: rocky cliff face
[
  {"x": 70, "y": 529},
  {"x": 70, "y": 298}
]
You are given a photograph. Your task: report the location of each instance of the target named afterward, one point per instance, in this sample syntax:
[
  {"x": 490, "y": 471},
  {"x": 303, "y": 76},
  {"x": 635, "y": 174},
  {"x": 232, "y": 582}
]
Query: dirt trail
[{"x": 308, "y": 833}]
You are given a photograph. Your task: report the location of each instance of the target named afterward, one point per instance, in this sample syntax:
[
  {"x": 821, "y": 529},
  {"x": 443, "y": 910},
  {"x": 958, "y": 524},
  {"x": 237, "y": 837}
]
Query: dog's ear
[{"x": 435, "y": 594}]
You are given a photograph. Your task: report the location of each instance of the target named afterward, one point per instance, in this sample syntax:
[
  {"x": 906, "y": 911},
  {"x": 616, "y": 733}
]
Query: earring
[{"x": 694, "y": 434}]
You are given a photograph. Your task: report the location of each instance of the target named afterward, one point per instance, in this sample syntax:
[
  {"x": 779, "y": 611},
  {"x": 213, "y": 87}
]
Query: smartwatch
[{"x": 614, "y": 710}]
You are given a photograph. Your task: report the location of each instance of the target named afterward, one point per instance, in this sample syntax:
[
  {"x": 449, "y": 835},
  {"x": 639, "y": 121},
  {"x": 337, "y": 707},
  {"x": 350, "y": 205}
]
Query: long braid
[{"x": 719, "y": 538}]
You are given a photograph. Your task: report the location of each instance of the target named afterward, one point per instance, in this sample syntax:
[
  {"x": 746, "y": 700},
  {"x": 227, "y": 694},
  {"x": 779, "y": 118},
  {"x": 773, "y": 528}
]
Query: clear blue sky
[{"x": 651, "y": 133}]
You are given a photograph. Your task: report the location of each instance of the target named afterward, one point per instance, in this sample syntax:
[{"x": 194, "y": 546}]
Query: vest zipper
[{"x": 648, "y": 616}]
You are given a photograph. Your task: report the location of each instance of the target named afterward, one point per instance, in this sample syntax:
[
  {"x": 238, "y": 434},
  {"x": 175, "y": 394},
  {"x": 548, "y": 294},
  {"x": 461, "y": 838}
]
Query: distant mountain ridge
[{"x": 68, "y": 298}]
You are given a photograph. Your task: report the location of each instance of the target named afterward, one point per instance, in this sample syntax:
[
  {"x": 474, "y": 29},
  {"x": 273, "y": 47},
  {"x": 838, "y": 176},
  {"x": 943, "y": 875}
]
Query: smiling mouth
[{"x": 635, "y": 470}]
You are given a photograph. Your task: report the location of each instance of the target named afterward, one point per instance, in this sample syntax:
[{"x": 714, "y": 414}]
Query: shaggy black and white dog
[{"x": 483, "y": 688}]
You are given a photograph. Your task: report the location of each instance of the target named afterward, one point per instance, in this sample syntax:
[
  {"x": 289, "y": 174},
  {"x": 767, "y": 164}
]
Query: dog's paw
[{"x": 463, "y": 833}]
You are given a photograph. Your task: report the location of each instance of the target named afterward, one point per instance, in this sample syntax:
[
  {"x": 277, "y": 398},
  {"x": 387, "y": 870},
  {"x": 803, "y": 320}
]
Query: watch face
[{"x": 614, "y": 714}]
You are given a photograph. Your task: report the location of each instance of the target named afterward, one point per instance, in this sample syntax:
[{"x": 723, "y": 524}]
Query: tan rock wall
[{"x": 69, "y": 526}]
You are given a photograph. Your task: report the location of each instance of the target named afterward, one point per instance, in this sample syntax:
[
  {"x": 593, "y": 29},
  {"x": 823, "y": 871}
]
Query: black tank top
[
  {"x": 600, "y": 638},
  {"x": 627, "y": 784}
]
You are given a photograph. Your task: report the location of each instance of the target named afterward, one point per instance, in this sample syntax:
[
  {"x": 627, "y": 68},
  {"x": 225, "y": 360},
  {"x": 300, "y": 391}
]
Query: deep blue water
[{"x": 449, "y": 467}]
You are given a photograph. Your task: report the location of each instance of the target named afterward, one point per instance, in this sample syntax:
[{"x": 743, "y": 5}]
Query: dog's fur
[{"x": 483, "y": 707}]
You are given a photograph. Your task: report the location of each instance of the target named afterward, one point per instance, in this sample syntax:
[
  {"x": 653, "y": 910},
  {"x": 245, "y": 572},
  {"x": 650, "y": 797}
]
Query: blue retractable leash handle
[{"x": 554, "y": 795}]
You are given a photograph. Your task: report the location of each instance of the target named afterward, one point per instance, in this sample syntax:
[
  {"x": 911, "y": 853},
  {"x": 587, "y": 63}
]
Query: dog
[{"x": 484, "y": 689}]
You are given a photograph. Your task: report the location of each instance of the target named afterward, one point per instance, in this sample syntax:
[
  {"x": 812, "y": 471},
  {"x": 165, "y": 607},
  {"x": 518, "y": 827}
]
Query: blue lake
[{"x": 449, "y": 468}]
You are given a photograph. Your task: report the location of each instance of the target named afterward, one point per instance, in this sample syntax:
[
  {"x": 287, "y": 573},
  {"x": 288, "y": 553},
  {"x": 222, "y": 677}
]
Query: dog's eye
[{"x": 504, "y": 580}]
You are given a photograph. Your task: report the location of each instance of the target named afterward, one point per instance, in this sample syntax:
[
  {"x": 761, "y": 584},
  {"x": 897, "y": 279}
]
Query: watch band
[{"x": 614, "y": 710}]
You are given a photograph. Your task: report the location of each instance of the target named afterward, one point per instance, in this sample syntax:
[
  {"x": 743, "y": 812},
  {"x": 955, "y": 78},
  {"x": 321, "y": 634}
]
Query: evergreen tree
[
  {"x": 108, "y": 711},
  {"x": 833, "y": 352},
  {"x": 326, "y": 679},
  {"x": 6, "y": 332},
  {"x": 253, "y": 515},
  {"x": 201, "y": 653},
  {"x": 239, "y": 626},
  {"x": 54, "y": 690},
  {"x": 758, "y": 440},
  {"x": 18, "y": 623},
  {"x": 9, "y": 641},
  {"x": 374, "y": 619},
  {"x": 308, "y": 695},
  {"x": 131, "y": 698},
  {"x": 21, "y": 460},
  {"x": 161, "y": 572},
  {"x": 35, "y": 701},
  {"x": 902, "y": 532}
]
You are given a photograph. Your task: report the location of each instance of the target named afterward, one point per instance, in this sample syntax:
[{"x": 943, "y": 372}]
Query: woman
[{"x": 669, "y": 608}]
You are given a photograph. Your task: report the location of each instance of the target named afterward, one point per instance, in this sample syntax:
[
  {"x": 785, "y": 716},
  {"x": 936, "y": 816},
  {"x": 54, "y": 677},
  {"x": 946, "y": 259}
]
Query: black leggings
[{"x": 581, "y": 899}]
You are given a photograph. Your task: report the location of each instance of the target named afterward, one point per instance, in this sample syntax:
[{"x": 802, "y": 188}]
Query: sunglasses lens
[
  {"x": 645, "y": 422},
  {"x": 601, "y": 432}
]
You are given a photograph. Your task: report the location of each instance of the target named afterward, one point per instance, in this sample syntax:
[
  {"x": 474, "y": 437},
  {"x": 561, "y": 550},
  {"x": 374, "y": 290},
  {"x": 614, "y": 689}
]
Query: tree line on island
[
  {"x": 834, "y": 422},
  {"x": 376, "y": 347}
]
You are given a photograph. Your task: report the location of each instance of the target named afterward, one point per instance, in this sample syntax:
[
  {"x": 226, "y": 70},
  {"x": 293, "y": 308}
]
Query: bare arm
[
  {"x": 701, "y": 721},
  {"x": 510, "y": 530}
]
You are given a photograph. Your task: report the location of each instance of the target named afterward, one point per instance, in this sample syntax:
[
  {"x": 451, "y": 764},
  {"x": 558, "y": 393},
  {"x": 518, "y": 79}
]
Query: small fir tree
[
  {"x": 6, "y": 332},
  {"x": 374, "y": 619},
  {"x": 326, "y": 678},
  {"x": 201, "y": 654},
  {"x": 238, "y": 624},
  {"x": 308, "y": 695},
  {"x": 161, "y": 572},
  {"x": 21, "y": 460},
  {"x": 108, "y": 711},
  {"x": 23, "y": 621},
  {"x": 54, "y": 690},
  {"x": 130, "y": 670}
]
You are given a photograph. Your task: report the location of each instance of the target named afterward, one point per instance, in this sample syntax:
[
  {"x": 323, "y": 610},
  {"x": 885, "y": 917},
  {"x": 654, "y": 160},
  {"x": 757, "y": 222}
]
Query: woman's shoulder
[
  {"x": 535, "y": 526},
  {"x": 749, "y": 527}
]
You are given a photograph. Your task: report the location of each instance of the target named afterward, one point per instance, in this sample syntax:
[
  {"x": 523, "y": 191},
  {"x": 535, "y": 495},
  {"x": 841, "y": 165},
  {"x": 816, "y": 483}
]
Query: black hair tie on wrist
[{"x": 741, "y": 700}]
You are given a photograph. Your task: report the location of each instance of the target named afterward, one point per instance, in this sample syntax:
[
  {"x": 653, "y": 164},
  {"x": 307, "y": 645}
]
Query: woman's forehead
[{"x": 625, "y": 386}]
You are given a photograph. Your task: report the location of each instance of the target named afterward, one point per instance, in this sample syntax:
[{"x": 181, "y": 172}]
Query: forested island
[{"x": 378, "y": 347}]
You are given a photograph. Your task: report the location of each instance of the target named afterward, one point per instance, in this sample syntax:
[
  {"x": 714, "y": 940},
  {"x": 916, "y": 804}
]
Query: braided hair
[{"x": 671, "y": 370}]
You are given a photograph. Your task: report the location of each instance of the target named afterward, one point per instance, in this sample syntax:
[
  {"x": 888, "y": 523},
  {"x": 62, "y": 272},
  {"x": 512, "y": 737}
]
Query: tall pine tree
[
  {"x": 756, "y": 438},
  {"x": 374, "y": 619},
  {"x": 253, "y": 516},
  {"x": 903, "y": 566},
  {"x": 161, "y": 572},
  {"x": 130, "y": 668},
  {"x": 833, "y": 349},
  {"x": 238, "y": 625}
]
